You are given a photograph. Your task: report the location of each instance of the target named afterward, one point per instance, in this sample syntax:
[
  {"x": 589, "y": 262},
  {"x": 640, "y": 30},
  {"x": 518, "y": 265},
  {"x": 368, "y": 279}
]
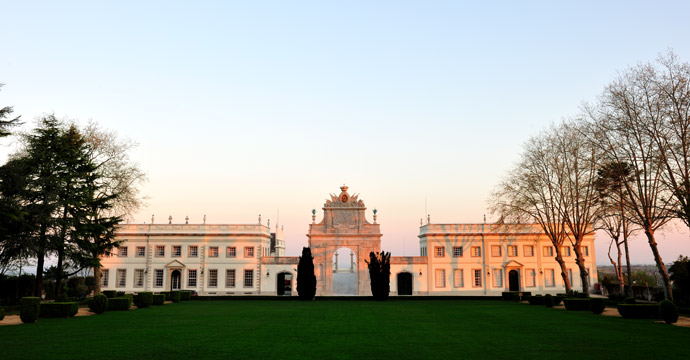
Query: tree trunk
[
  {"x": 668, "y": 291},
  {"x": 580, "y": 260},
  {"x": 564, "y": 270},
  {"x": 40, "y": 255},
  {"x": 97, "y": 279},
  {"x": 627, "y": 264},
  {"x": 58, "y": 278}
]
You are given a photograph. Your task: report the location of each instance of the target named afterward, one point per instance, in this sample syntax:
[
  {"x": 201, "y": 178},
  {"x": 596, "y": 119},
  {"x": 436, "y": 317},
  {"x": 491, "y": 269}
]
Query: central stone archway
[{"x": 344, "y": 272}]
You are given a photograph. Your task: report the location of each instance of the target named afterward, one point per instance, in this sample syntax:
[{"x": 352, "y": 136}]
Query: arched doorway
[
  {"x": 513, "y": 280},
  {"x": 404, "y": 283},
  {"x": 175, "y": 280},
  {"x": 284, "y": 284},
  {"x": 344, "y": 272}
]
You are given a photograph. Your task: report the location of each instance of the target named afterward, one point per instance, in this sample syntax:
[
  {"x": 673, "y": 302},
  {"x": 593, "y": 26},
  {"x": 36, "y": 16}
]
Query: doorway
[
  {"x": 284, "y": 284},
  {"x": 513, "y": 281},
  {"x": 175, "y": 280},
  {"x": 344, "y": 267},
  {"x": 404, "y": 283}
]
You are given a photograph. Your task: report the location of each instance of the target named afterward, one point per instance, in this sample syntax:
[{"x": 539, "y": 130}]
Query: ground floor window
[
  {"x": 440, "y": 278},
  {"x": 159, "y": 278},
  {"x": 121, "y": 277},
  {"x": 138, "y": 277},
  {"x": 530, "y": 281},
  {"x": 191, "y": 278},
  {"x": 230, "y": 278},
  {"x": 570, "y": 276},
  {"x": 249, "y": 278},
  {"x": 104, "y": 277},
  {"x": 458, "y": 281},
  {"x": 549, "y": 279},
  {"x": 498, "y": 278},
  {"x": 213, "y": 278},
  {"x": 477, "y": 274}
]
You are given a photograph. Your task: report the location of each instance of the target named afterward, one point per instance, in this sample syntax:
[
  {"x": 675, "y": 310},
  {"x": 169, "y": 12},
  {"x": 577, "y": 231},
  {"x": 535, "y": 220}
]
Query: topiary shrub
[
  {"x": 576, "y": 304},
  {"x": 548, "y": 300},
  {"x": 596, "y": 305},
  {"x": 119, "y": 303},
  {"x": 143, "y": 299},
  {"x": 175, "y": 296},
  {"x": 29, "y": 308},
  {"x": 185, "y": 295},
  {"x": 2, "y": 313},
  {"x": 98, "y": 304},
  {"x": 536, "y": 300},
  {"x": 158, "y": 299},
  {"x": 629, "y": 300},
  {"x": 109, "y": 293},
  {"x": 668, "y": 311},
  {"x": 59, "y": 309},
  {"x": 638, "y": 311}
]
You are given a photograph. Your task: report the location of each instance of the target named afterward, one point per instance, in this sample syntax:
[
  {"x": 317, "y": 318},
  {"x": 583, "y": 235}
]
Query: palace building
[{"x": 248, "y": 259}]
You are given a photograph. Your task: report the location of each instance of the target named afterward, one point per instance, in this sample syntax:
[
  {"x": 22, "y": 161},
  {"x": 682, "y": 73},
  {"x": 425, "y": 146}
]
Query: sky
[{"x": 248, "y": 108}]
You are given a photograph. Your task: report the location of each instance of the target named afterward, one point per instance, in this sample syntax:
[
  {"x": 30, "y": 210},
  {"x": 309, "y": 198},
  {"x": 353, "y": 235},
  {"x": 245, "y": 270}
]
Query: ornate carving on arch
[{"x": 344, "y": 200}]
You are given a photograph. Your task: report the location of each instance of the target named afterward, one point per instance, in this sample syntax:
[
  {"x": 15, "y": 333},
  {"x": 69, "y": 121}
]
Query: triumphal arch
[{"x": 344, "y": 226}]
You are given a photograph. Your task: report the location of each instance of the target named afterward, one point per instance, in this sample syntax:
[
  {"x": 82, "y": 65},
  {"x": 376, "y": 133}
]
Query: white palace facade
[{"x": 249, "y": 259}]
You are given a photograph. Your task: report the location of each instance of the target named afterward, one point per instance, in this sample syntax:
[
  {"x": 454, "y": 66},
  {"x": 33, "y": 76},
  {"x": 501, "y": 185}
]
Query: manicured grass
[{"x": 423, "y": 329}]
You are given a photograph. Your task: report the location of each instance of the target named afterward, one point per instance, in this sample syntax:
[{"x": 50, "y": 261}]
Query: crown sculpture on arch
[{"x": 344, "y": 200}]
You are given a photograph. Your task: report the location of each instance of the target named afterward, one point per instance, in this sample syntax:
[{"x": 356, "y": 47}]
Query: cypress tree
[
  {"x": 380, "y": 274},
  {"x": 306, "y": 280}
]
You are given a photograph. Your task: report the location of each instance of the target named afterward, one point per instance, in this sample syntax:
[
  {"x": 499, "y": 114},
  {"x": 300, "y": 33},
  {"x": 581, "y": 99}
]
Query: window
[
  {"x": 548, "y": 250},
  {"x": 570, "y": 276},
  {"x": 160, "y": 250},
  {"x": 477, "y": 278},
  {"x": 528, "y": 250},
  {"x": 192, "y": 251},
  {"x": 249, "y": 277},
  {"x": 104, "y": 277},
  {"x": 512, "y": 250},
  {"x": 440, "y": 251},
  {"x": 213, "y": 251},
  {"x": 176, "y": 251},
  {"x": 585, "y": 251},
  {"x": 498, "y": 278},
  {"x": 123, "y": 251},
  {"x": 191, "y": 278},
  {"x": 565, "y": 250},
  {"x": 457, "y": 251},
  {"x": 121, "y": 277},
  {"x": 495, "y": 250},
  {"x": 141, "y": 251},
  {"x": 213, "y": 278},
  {"x": 230, "y": 278},
  {"x": 138, "y": 277},
  {"x": 440, "y": 278},
  {"x": 530, "y": 281},
  {"x": 230, "y": 252},
  {"x": 249, "y": 251},
  {"x": 458, "y": 280},
  {"x": 159, "y": 278},
  {"x": 476, "y": 251},
  {"x": 549, "y": 279},
  {"x": 423, "y": 251}
]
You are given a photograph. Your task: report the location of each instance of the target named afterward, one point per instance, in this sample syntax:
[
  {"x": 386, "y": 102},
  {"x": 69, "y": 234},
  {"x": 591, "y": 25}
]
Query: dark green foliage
[
  {"x": 98, "y": 304},
  {"x": 617, "y": 297},
  {"x": 2, "y": 313},
  {"x": 557, "y": 300},
  {"x": 119, "y": 303},
  {"x": 536, "y": 300},
  {"x": 515, "y": 295},
  {"x": 143, "y": 299},
  {"x": 576, "y": 304},
  {"x": 380, "y": 274},
  {"x": 185, "y": 295},
  {"x": 548, "y": 300},
  {"x": 306, "y": 280},
  {"x": 639, "y": 311},
  {"x": 629, "y": 300},
  {"x": 596, "y": 305},
  {"x": 109, "y": 293},
  {"x": 158, "y": 299},
  {"x": 76, "y": 287},
  {"x": 29, "y": 307},
  {"x": 668, "y": 311},
  {"x": 680, "y": 275},
  {"x": 175, "y": 296},
  {"x": 59, "y": 309},
  {"x": 120, "y": 294}
]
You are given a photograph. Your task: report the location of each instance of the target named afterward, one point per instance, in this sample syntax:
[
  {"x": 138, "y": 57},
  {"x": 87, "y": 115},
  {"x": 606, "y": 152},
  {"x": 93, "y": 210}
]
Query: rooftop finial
[
  {"x": 170, "y": 219},
  {"x": 204, "y": 219},
  {"x": 186, "y": 219},
  {"x": 152, "y": 217}
]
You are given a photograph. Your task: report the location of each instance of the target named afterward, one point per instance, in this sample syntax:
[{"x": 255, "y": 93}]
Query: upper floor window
[
  {"x": 123, "y": 251},
  {"x": 141, "y": 251},
  {"x": 476, "y": 251},
  {"x": 512, "y": 250},
  {"x": 528, "y": 250},
  {"x": 230, "y": 252},
  {"x": 548, "y": 250},
  {"x": 176, "y": 251},
  {"x": 585, "y": 251},
  {"x": 160, "y": 250},
  {"x": 249, "y": 251},
  {"x": 565, "y": 251},
  {"x": 495, "y": 250},
  {"x": 193, "y": 251},
  {"x": 440, "y": 251},
  {"x": 457, "y": 251},
  {"x": 213, "y": 251}
]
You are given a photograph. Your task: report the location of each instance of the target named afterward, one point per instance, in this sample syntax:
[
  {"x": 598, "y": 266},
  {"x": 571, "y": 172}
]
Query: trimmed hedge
[
  {"x": 59, "y": 309},
  {"x": 119, "y": 303},
  {"x": 158, "y": 299},
  {"x": 596, "y": 305},
  {"x": 109, "y": 293},
  {"x": 536, "y": 300},
  {"x": 557, "y": 300},
  {"x": 548, "y": 300},
  {"x": 668, "y": 311},
  {"x": 185, "y": 295},
  {"x": 576, "y": 304},
  {"x": 175, "y": 296},
  {"x": 515, "y": 295},
  {"x": 98, "y": 304},
  {"x": 2, "y": 313},
  {"x": 639, "y": 311},
  {"x": 29, "y": 307},
  {"x": 143, "y": 299}
]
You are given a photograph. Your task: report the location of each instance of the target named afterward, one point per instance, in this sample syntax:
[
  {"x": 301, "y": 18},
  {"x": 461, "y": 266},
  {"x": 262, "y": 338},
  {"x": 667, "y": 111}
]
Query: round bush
[
  {"x": 29, "y": 308},
  {"x": 668, "y": 311},
  {"x": 596, "y": 305},
  {"x": 548, "y": 300},
  {"x": 98, "y": 304},
  {"x": 143, "y": 300}
]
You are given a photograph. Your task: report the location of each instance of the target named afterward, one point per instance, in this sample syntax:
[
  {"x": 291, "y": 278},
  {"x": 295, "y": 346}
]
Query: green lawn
[{"x": 334, "y": 329}]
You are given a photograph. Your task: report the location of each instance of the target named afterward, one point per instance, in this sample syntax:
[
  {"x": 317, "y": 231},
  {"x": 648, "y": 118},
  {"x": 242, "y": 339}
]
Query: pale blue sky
[{"x": 247, "y": 108}]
